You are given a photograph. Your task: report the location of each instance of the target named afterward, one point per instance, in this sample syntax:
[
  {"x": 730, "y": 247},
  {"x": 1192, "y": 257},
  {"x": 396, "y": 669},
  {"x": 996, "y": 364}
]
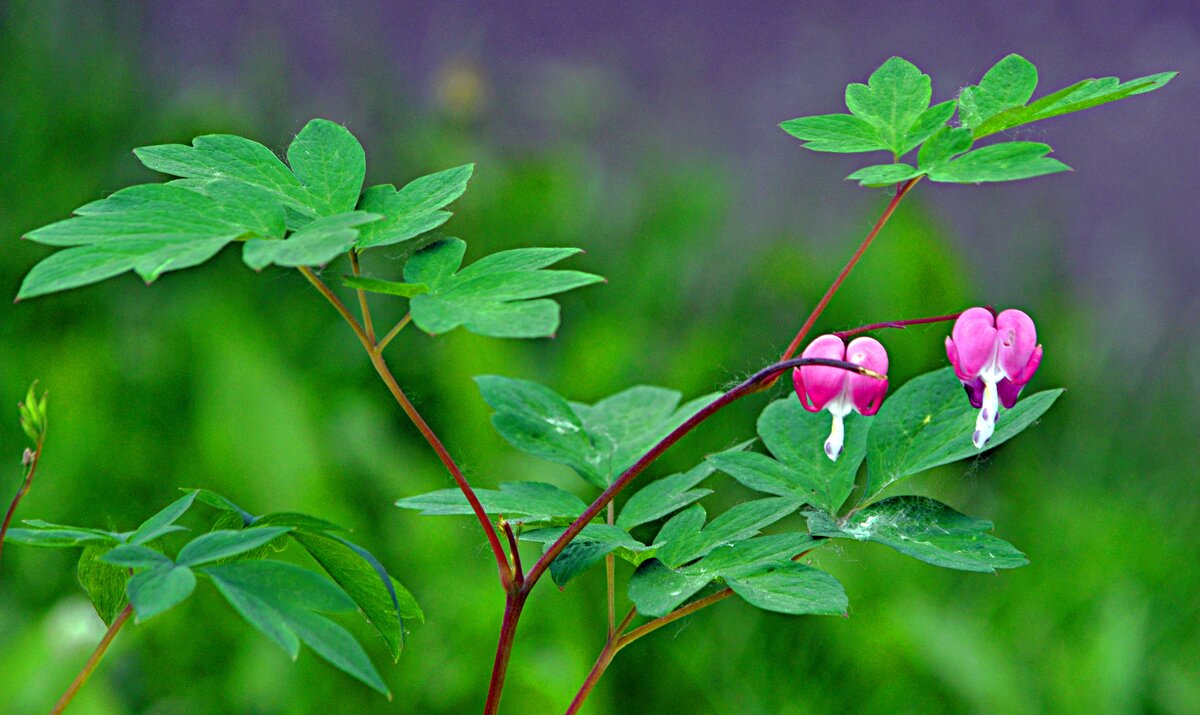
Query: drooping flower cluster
[
  {"x": 994, "y": 356},
  {"x": 838, "y": 390}
]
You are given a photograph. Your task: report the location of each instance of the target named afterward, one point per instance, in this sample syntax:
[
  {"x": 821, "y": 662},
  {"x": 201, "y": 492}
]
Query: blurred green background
[{"x": 645, "y": 136}]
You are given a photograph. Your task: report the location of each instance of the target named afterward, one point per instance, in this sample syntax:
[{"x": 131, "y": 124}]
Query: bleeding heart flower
[
  {"x": 994, "y": 356},
  {"x": 838, "y": 390}
]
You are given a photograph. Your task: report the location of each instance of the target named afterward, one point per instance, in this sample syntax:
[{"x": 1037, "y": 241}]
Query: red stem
[
  {"x": 12, "y": 508},
  {"x": 748, "y": 386},
  {"x": 92, "y": 662},
  {"x": 901, "y": 324},
  {"x": 508, "y": 630},
  {"x": 837, "y": 282}
]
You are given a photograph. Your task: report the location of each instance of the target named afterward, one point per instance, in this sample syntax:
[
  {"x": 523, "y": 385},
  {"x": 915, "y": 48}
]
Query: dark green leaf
[
  {"x": 159, "y": 589},
  {"x": 792, "y": 588},
  {"x": 926, "y": 530},
  {"x": 374, "y": 285},
  {"x": 929, "y": 422},
  {"x": 841, "y": 133},
  {"x": 134, "y": 557},
  {"x": 217, "y": 501},
  {"x": 301, "y": 522},
  {"x": 217, "y": 545},
  {"x": 330, "y": 163},
  {"x": 884, "y": 174},
  {"x": 740, "y": 522},
  {"x": 1009, "y": 161},
  {"x": 414, "y": 209},
  {"x": 280, "y": 599},
  {"x": 494, "y": 296},
  {"x": 103, "y": 582},
  {"x": 591, "y": 545},
  {"x": 657, "y": 590},
  {"x": 665, "y": 496},
  {"x": 365, "y": 580},
  {"x": 318, "y": 243},
  {"x": 57, "y": 536},
  {"x": 518, "y": 502},
  {"x": 162, "y": 522}
]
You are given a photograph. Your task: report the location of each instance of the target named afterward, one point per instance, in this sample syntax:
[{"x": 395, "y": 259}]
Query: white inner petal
[{"x": 839, "y": 407}]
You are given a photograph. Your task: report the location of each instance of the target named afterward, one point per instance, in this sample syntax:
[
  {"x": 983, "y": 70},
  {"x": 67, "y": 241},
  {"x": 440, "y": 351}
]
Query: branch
[
  {"x": 750, "y": 385},
  {"x": 92, "y": 662},
  {"x": 31, "y": 465},
  {"x": 901, "y": 324}
]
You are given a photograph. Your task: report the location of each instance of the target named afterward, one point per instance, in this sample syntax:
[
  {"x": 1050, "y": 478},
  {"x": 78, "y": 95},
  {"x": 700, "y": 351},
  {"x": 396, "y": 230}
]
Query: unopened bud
[{"x": 27, "y": 457}]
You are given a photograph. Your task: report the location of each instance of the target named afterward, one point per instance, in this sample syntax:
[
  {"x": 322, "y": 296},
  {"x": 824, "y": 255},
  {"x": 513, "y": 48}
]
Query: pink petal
[
  {"x": 1017, "y": 339},
  {"x": 1008, "y": 391},
  {"x": 974, "y": 336},
  {"x": 822, "y": 384},
  {"x": 798, "y": 381},
  {"x": 1035, "y": 360},
  {"x": 867, "y": 392}
]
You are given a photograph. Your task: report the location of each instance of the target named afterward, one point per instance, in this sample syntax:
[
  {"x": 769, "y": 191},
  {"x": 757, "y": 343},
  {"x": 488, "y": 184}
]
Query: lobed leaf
[
  {"x": 163, "y": 522},
  {"x": 502, "y": 295},
  {"x": 318, "y": 243},
  {"x": 1009, "y": 161},
  {"x": 159, "y": 589},
  {"x": 929, "y": 421},
  {"x": 894, "y": 98},
  {"x": 792, "y": 588},
  {"x": 664, "y": 496},
  {"x": 331, "y": 165},
  {"x": 518, "y": 502},
  {"x": 223, "y": 544},
  {"x": 926, "y": 530},
  {"x": 884, "y": 174},
  {"x": 687, "y": 542},
  {"x": 414, "y": 209},
  {"x": 591, "y": 545}
]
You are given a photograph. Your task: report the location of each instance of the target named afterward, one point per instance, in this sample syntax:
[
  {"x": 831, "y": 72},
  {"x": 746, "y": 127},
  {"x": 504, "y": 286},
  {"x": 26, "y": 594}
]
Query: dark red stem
[
  {"x": 508, "y": 630},
  {"x": 843, "y": 334},
  {"x": 12, "y": 508}
]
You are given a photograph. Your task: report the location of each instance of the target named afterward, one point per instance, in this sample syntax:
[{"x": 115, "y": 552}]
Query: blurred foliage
[{"x": 249, "y": 385}]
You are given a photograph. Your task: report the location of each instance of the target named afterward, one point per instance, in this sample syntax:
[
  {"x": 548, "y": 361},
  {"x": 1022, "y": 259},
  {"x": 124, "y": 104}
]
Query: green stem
[{"x": 92, "y": 662}]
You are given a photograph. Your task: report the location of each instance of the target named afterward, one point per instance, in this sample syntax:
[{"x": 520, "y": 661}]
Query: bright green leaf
[
  {"x": 926, "y": 530},
  {"x": 494, "y": 296},
  {"x": 1010, "y": 83},
  {"x": 929, "y": 421},
  {"x": 841, "y": 133},
  {"x": 163, "y": 522},
  {"x": 318, "y": 243},
  {"x": 738, "y": 523},
  {"x": 413, "y": 210},
  {"x": 331, "y": 165},
  {"x": 946, "y": 144},
  {"x": 664, "y": 496},
  {"x": 895, "y": 96},
  {"x": 374, "y": 285},
  {"x": 1009, "y": 161},
  {"x": 135, "y": 557},
  {"x": 928, "y": 123},
  {"x": 884, "y": 174},
  {"x": 54, "y": 536}
]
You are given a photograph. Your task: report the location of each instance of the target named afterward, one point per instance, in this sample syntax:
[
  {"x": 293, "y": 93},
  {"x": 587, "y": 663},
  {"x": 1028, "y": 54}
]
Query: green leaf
[
  {"x": 894, "y": 98},
  {"x": 1077, "y": 97},
  {"x": 301, "y": 522},
  {"x": 664, "y": 496},
  {"x": 657, "y": 590},
  {"x": 598, "y": 441},
  {"x": 134, "y": 557},
  {"x": 414, "y": 209},
  {"x": 884, "y": 174},
  {"x": 946, "y": 144},
  {"x": 800, "y": 468},
  {"x": 1009, "y": 161},
  {"x": 217, "y": 545},
  {"x": 331, "y": 165},
  {"x": 365, "y": 580},
  {"x": 318, "y": 243},
  {"x": 211, "y": 498},
  {"x": 159, "y": 589},
  {"x": 841, "y": 133},
  {"x": 494, "y": 296},
  {"x": 103, "y": 582},
  {"x": 926, "y": 530},
  {"x": 928, "y": 123},
  {"x": 374, "y": 285},
  {"x": 518, "y": 502},
  {"x": 929, "y": 422},
  {"x": 53, "y": 536},
  {"x": 148, "y": 229},
  {"x": 163, "y": 522},
  {"x": 740, "y": 522},
  {"x": 280, "y": 599},
  {"x": 792, "y": 588},
  {"x": 225, "y": 156},
  {"x": 591, "y": 545},
  {"x": 1010, "y": 83}
]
